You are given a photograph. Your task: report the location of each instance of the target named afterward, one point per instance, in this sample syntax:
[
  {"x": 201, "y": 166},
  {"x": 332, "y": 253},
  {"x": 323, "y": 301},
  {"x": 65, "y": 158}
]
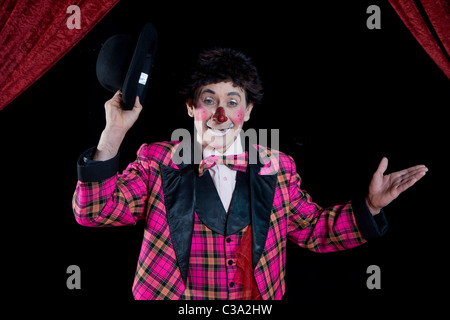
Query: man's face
[{"x": 219, "y": 112}]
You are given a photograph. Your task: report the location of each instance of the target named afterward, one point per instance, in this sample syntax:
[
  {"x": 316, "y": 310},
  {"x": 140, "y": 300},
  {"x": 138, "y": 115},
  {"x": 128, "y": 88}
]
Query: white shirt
[{"x": 223, "y": 177}]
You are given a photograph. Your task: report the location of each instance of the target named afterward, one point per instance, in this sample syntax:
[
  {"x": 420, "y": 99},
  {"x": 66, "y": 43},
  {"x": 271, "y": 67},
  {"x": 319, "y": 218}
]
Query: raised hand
[
  {"x": 385, "y": 188},
  {"x": 118, "y": 122},
  {"x": 116, "y": 117}
]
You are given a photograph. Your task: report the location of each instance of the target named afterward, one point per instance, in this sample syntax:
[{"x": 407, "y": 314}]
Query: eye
[
  {"x": 209, "y": 101},
  {"x": 232, "y": 103}
]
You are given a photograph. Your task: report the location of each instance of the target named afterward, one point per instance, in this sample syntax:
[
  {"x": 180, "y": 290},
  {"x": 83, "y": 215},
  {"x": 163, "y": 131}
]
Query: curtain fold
[
  {"x": 35, "y": 34},
  {"x": 429, "y": 23}
]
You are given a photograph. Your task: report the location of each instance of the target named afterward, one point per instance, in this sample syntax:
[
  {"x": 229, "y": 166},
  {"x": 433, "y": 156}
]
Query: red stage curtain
[
  {"x": 429, "y": 22},
  {"x": 34, "y": 35}
]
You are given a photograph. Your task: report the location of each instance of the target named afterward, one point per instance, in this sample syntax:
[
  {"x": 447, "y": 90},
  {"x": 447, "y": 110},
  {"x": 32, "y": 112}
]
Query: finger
[
  {"x": 416, "y": 173},
  {"x": 118, "y": 92},
  {"x": 137, "y": 103},
  {"x": 406, "y": 185},
  {"x": 415, "y": 170},
  {"x": 137, "y": 106},
  {"x": 117, "y": 96},
  {"x": 382, "y": 166},
  {"x": 411, "y": 170},
  {"x": 410, "y": 181}
]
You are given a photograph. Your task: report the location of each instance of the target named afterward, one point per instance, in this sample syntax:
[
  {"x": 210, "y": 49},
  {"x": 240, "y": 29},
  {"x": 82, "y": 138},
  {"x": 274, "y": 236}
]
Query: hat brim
[{"x": 138, "y": 75}]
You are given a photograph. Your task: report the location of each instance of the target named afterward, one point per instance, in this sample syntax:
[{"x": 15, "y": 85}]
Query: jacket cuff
[
  {"x": 371, "y": 227},
  {"x": 95, "y": 171}
]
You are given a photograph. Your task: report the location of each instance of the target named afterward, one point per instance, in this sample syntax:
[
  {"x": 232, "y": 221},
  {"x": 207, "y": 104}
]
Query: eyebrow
[
  {"x": 209, "y": 91},
  {"x": 234, "y": 93}
]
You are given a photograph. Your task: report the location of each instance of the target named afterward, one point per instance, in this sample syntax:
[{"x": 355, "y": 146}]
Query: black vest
[{"x": 210, "y": 209}]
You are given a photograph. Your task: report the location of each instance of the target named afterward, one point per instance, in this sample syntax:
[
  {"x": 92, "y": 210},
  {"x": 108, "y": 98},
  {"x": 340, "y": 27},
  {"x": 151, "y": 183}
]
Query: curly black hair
[{"x": 224, "y": 65}]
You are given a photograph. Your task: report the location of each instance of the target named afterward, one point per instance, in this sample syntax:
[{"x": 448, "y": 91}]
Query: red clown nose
[{"x": 220, "y": 115}]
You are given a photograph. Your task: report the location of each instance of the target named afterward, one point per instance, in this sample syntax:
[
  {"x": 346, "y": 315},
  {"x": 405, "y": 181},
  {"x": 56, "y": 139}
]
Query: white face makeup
[{"x": 219, "y": 112}]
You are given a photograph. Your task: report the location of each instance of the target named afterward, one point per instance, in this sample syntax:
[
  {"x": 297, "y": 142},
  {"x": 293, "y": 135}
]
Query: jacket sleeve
[
  {"x": 103, "y": 197},
  {"x": 330, "y": 229}
]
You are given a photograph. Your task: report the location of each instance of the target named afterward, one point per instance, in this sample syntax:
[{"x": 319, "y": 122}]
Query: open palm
[{"x": 385, "y": 188}]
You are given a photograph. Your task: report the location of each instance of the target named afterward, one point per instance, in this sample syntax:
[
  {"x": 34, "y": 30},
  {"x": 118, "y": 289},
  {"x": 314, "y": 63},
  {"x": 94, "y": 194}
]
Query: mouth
[{"x": 219, "y": 132}]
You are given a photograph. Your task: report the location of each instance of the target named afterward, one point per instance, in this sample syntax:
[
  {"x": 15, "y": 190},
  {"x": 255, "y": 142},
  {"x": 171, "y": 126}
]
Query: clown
[{"x": 217, "y": 230}]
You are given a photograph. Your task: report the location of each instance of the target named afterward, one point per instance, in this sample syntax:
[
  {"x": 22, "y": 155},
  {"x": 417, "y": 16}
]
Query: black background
[{"x": 342, "y": 96}]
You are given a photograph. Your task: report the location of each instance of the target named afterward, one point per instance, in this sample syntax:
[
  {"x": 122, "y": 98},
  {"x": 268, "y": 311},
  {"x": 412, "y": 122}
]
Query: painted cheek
[
  {"x": 238, "y": 116},
  {"x": 201, "y": 114}
]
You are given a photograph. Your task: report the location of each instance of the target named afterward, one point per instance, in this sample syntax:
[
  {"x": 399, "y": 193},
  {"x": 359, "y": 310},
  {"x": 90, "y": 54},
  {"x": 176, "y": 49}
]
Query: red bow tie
[{"x": 234, "y": 162}]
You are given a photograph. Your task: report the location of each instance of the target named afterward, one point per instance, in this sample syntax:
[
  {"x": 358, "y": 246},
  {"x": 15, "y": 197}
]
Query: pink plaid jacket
[{"x": 154, "y": 188}]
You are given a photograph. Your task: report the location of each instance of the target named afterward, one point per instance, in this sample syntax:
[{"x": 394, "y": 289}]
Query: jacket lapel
[
  {"x": 178, "y": 186},
  {"x": 262, "y": 193},
  {"x": 179, "y": 190}
]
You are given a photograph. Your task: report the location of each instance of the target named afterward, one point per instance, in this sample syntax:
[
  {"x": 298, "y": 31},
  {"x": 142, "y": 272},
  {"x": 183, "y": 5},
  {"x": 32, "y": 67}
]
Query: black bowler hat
[{"x": 125, "y": 62}]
